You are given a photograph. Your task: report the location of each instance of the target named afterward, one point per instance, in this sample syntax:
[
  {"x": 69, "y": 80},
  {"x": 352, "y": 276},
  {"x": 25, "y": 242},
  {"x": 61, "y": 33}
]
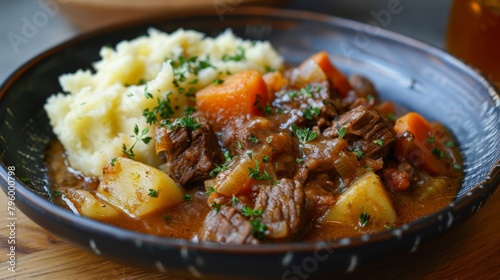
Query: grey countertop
[{"x": 21, "y": 40}]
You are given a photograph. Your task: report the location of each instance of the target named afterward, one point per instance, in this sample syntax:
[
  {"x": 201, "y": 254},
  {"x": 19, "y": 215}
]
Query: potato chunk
[
  {"x": 366, "y": 195},
  {"x": 138, "y": 189},
  {"x": 84, "y": 203},
  {"x": 235, "y": 179}
]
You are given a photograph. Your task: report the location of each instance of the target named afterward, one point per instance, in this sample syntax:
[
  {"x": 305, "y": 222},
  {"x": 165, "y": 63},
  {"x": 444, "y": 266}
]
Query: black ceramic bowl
[{"x": 415, "y": 75}]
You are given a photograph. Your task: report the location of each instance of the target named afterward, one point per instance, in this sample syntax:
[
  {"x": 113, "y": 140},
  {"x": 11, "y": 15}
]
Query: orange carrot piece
[
  {"x": 238, "y": 96},
  {"x": 385, "y": 109},
  {"x": 337, "y": 78},
  {"x": 425, "y": 141}
]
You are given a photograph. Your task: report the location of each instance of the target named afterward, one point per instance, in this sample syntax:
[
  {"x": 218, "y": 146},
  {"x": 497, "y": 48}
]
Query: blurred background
[{"x": 30, "y": 27}]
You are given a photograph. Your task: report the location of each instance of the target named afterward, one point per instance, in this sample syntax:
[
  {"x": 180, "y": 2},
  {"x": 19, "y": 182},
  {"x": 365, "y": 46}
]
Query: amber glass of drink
[{"x": 474, "y": 35}]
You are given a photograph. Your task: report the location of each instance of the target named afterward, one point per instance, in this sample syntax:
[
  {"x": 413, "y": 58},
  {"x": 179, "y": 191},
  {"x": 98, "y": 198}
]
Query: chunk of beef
[
  {"x": 247, "y": 136},
  {"x": 190, "y": 154},
  {"x": 363, "y": 87},
  {"x": 363, "y": 94},
  {"x": 259, "y": 134},
  {"x": 283, "y": 208},
  {"x": 319, "y": 156},
  {"x": 313, "y": 103},
  {"x": 227, "y": 225},
  {"x": 320, "y": 191},
  {"x": 365, "y": 130}
]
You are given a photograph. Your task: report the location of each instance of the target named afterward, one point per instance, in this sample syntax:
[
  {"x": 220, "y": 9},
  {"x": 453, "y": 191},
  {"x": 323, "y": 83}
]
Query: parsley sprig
[
  {"x": 138, "y": 137},
  {"x": 239, "y": 55},
  {"x": 163, "y": 109},
  {"x": 304, "y": 134},
  {"x": 342, "y": 132},
  {"x": 255, "y": 215},
  {"x": 310, "y": 112},
  {"x": 364, "y": 218},
  {"x": 187, "y": 122},
  {"x": 249, "y": 212},
  {"x": 307, "y": 91},
  {"x": 218, "y": 168},
  {"x": 257, "y": 175},
  {"x": 153, "y": 193}
]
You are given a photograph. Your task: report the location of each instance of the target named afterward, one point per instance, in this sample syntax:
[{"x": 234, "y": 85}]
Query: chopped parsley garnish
[
  {"x": 250, "y": 154},
  {"x": 56, "y": 193},
  {"x": 218, "y": 168},
  {"x": 449, "y": 144},
  {"x": 304, "y": 134},
  {"x": 188, "y": 197},
  {"x": 265, "y": 159},
  {"x": 292, "y": 94},
  {"x": 216, "y": 206},
  {"x": 269, "y": 139},
  {"x": 256, "y": 174},
  {"x": 210, "y": 190},
  {"x": 267, "y": 110},
  {"x": 358, "y": 153},
  {"x": 113, "y": 161},
  {"x": 187, "y": 122},
  {"x": 364, "y": 218},
  {"x": 391, "y": 117},
  {"x": 238, "y": 56},
  {"x": 307, "y": 91},
  {"x": 342, "y": 132},
  {"x": 138, "y": 137},
  {"x": 379, "y": 142},
  {"x": 437, "y": 152},
  {"x": 184, "y": 65},
  {"x": 431, "y": 139},
  {"x": 270, "y": 69},
  {"x": 457, "y": 166},
  {"x": 250, "y": 212},
  {"x": 191, "y": 92},
  {"x": 299, "y": 160},
  {"x": 163, "y": 109},
  {"x": 189, "y": 110},
  {"x": 234, "y": 200},
  {"x": 258, "y": 227},
  {"x": 310, "y": 112},
  {"x": 202, "y": 64},
  {"x": 167, "y": 217},
  {"x": 218, "y": 81},
  {"x": 253, "y": 139},
  {"x": 227, "y": 156},
  {"x": 153, "y": 193}
]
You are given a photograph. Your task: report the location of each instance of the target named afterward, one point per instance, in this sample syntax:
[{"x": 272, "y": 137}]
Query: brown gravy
[{"x": 184, "y": 220}]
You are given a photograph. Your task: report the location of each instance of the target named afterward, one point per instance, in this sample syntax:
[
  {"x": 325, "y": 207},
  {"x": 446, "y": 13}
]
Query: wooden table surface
[{"x": 468, "y": 251}]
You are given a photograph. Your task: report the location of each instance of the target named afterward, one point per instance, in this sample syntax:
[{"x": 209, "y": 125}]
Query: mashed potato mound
[{"x": 97, "y": 113}]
